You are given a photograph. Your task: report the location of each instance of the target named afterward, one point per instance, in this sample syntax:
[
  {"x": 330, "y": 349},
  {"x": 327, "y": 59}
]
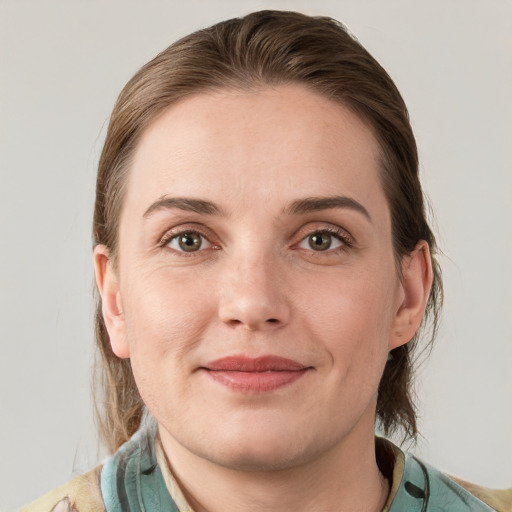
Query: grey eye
[
  {"x": 320, "y": 241},
  {"x": 189, "y": 242}
]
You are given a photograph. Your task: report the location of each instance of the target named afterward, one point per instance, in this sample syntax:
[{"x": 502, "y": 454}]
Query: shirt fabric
[{"x": 137, "y": 478}]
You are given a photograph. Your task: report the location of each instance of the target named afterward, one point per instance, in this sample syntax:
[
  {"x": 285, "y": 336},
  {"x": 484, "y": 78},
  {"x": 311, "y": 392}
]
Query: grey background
[{"x": 62, "y": 64}]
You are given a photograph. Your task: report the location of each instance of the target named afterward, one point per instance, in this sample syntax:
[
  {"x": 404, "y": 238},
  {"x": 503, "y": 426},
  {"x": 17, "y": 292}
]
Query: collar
[
  {"x": 170, "y": 482},
  {"x": 395, "y": 459},
  {"x": 137, "y": 478}
]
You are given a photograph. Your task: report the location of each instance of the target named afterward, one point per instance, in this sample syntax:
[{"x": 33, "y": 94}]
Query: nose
[{"x": 253, "y": 296}]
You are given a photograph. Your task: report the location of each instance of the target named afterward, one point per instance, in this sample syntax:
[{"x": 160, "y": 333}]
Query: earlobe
[
  {"x": 108, "y": 285},
  {"x": 417, "y": 276}
]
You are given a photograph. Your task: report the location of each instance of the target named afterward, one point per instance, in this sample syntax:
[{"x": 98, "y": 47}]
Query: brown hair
[{"x": 265, "y": 48}]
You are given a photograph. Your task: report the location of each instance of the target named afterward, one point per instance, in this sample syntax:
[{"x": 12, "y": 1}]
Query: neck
[{"x": 346, "y": 478}]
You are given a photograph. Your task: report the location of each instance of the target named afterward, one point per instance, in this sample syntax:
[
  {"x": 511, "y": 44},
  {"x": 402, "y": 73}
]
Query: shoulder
[
  {"x": 419, "y": 487},
  {"x": 498, "y": 499},
  {"x": 444, "y": 492},
  {"x": 82, "y": 494},
  {"x": 130, "y": 479}
]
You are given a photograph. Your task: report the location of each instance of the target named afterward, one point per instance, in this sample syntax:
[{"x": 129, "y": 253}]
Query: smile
[{"x": 255, "y": 375}]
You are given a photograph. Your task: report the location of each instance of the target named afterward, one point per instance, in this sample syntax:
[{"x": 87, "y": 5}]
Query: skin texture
[{"x": 256, "y": 287}]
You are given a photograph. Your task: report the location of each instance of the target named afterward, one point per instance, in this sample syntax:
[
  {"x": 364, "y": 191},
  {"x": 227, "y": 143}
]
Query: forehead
[{"x": 252, "y": 144}]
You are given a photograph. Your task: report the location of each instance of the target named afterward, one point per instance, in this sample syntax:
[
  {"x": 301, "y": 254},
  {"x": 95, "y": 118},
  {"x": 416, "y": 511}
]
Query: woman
[{"x": 264, "y": 266}]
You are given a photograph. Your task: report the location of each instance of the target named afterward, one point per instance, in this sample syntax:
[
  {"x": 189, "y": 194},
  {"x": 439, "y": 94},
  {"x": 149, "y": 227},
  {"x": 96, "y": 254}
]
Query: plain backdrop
[{"x": 62, "y": 64}]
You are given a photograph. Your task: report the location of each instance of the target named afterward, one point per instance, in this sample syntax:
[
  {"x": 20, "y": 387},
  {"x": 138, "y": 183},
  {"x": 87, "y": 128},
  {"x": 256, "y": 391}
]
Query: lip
[{"x": 255, "y": 375}]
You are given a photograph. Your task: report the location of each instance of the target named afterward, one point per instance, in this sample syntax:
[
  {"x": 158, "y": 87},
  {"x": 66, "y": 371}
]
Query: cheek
[
  {"x": 352, "y": 315},
  {"x": 166, "y": 319},
  {"x": 351, "y": 299},
  {"x": 166, "y": 316}
]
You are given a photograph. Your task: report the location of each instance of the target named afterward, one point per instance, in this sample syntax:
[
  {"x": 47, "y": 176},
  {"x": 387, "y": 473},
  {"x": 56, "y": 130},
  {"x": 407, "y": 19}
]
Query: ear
[
  {"x": 111, "y": 304},
  {"x": 416, "y": 282}
]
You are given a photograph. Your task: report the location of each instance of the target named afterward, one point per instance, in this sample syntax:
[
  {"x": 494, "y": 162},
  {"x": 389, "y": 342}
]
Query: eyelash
[{"x": 339, "y": 234}]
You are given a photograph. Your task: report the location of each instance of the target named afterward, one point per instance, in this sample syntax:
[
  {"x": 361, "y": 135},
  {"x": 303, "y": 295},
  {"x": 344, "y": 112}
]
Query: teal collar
[
  {"x": 425, "y": 489},
  {"x": 131, "y": 481}
]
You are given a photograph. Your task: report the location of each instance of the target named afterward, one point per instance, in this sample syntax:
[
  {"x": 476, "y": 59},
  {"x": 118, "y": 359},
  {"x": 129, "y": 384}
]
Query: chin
[
  {"x": 257, "y": 459},
  {"x": 262, "y": 450}
]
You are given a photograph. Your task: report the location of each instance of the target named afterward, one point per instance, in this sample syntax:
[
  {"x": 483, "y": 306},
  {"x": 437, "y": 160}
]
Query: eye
[
  {"x": 322, "y": 241},
  {"x": 188, "y": 241}
]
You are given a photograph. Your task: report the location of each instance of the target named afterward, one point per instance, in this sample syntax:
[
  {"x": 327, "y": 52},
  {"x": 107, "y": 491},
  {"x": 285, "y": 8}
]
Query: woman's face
[{"x": 256, "y": 292}]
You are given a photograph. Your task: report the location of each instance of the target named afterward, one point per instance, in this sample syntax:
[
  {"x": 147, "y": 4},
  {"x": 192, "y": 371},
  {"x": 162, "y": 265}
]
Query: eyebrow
[
  {"x": 298, "y": 207},
  {"x": 315, "y": 204},
  {"x": 186, "y": 204}
]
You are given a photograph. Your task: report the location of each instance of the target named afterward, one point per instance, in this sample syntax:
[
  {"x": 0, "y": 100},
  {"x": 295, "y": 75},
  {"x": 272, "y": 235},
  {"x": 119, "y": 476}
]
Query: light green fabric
[
  {"x": 131, "y": 481},
  {"x": 425, "y": 489}
]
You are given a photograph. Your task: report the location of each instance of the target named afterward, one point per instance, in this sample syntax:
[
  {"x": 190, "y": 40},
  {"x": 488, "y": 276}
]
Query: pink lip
[{"x": 255, "y": 375}]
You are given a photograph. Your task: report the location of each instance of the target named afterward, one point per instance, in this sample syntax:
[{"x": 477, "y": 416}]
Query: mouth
[{"x": 255, "y": 375}]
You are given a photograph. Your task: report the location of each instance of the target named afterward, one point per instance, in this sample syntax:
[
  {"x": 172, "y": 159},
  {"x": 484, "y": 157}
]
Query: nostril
[{"x": 273, "y": 320}]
